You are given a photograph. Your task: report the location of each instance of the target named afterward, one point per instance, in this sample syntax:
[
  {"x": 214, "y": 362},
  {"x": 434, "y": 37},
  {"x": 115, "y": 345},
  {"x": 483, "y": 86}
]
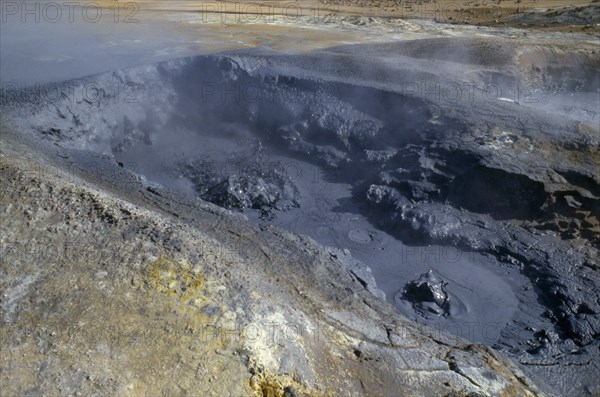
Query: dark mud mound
[
  {"x": 241, "y": 185},
  {"x": 251, "y": 192}
]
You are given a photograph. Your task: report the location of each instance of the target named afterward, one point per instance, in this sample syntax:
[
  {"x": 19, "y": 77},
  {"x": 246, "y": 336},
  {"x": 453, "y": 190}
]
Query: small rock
[{"x": 291, "y": 392}]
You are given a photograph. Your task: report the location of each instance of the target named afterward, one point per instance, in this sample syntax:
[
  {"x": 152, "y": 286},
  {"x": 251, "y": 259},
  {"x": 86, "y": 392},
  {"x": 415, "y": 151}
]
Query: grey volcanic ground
[{"x": 463, "y": 171}]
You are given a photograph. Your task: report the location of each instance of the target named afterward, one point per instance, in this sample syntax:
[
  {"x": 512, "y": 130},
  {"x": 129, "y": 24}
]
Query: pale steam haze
[{"x": 47, "y": 41}]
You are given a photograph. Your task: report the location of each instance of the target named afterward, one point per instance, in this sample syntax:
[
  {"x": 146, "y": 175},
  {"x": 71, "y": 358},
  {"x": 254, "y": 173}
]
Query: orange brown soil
[{"x": 550, "y": 15}]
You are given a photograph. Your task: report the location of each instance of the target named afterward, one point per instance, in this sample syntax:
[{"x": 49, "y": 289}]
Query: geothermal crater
[{"x": 482, "y": 203}]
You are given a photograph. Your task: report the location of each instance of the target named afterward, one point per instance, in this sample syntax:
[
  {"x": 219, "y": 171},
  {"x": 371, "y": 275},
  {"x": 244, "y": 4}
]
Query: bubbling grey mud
[
  {"x": 427, "y": 294},
  {"x": 482, "y": 204}
]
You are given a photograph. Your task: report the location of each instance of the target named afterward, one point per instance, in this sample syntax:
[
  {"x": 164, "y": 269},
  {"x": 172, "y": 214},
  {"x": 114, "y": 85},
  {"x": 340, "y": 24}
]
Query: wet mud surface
[{"x": 476, "y": 216}]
